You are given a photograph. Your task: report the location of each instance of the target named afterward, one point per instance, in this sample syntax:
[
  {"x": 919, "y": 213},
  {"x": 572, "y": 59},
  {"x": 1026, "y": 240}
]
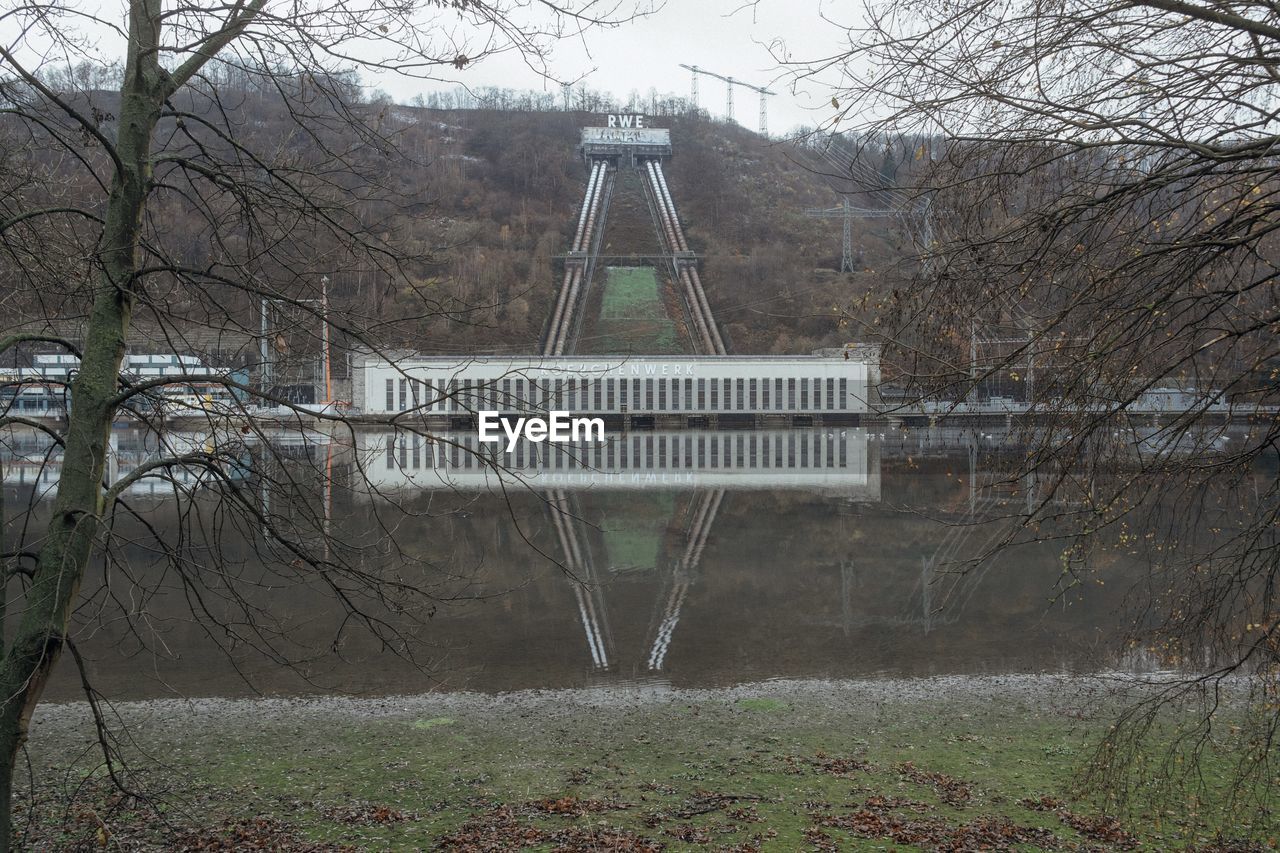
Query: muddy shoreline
[{"x": 1059, "y": 691}]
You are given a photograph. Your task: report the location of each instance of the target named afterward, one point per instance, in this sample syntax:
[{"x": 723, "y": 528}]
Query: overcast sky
[
  {"x": 729, "y": 37},
  {"x": 706, "y": 33}
]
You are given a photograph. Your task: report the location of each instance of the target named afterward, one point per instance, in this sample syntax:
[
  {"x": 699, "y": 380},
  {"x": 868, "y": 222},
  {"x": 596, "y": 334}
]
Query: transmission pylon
[{"x": 728, "y": 95}]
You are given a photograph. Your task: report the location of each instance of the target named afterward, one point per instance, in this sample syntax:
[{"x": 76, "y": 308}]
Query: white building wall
[{"x": 651, "y": 385}]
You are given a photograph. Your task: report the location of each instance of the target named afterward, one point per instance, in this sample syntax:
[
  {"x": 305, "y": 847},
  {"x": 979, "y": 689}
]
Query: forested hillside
[
  {"x": 477, "y": 204},
  {"x": 508, "y": 185}
]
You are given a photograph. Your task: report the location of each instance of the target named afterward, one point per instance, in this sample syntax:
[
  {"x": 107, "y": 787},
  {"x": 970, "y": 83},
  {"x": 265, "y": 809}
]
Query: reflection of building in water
[
  {"x": 833, "y": 459},
  {"x": 31, "y": 459}
]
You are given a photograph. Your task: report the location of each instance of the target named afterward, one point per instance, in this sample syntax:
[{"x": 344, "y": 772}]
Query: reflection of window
[
  {"x": 391, "y": 450},
  {"x": 715, "y": 443}
]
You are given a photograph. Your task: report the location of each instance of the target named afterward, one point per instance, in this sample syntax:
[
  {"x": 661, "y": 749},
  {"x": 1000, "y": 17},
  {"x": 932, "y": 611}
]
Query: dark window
[
  {"x": 648, "y": 395},
  {"x": 404, "y": 394},
  {"x": 662, "y": 395},
  {"x": 844, "y": 394},
  {"x": 702, "y": 395},
  {"x": 791, "y": 394},
  {"x": 804, "y": 393},
  {"x": 391, "y": 395},
  {"x": 764, "y": 394},
  {"x": 598, "y": 392},
  {"x": 715, "y": 394},
  {"x": 610, "y": 396},
  {"x": 752, "y": 404},
  {"x": 742, "y": 393},
  {"x": 688, "y": 394},
  {"x": 777, "y": 393},
  {"x": 831, "y": 394}
]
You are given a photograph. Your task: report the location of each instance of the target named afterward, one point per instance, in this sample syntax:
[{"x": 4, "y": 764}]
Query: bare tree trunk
[{"x": 77, "y": 508}]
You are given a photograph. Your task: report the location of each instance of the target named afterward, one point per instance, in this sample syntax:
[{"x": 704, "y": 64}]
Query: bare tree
[
  {"x": 1095, "y": 187},
  {"x": 102, "y": 161}
]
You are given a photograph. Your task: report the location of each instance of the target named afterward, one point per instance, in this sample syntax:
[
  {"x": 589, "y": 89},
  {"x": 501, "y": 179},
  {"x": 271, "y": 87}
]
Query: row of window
[
  {"x": 635, "y": 452},
  {"x": 619, "y": 395}
]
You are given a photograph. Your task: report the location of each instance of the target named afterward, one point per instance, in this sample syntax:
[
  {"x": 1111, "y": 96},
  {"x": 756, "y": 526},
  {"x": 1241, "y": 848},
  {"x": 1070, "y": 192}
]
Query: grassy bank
[{"x": 771, "y": 767}]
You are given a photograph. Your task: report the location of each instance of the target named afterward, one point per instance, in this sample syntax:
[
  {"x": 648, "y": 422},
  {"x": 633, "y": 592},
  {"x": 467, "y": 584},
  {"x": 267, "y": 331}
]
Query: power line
[{"x": 728, "y": 99}]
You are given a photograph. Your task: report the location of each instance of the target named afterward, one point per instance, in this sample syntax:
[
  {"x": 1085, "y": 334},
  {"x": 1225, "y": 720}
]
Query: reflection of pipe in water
[
  {"x": 704, "y": 517},
  {"x": 590, "y": 611}
]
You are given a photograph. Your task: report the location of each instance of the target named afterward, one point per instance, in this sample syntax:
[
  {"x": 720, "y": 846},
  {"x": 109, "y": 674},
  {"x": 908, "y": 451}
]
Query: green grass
[
  {"x": 770, "y": 770},
  {"x": 632, "y": 316}
]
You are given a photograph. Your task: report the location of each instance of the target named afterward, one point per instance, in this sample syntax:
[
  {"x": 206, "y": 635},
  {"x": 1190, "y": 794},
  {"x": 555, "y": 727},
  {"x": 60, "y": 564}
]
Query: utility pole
[
  {"x": 848, "y": 213},
  {"x": 324, "y": 338},
  {"x": 265, "y": 371}
]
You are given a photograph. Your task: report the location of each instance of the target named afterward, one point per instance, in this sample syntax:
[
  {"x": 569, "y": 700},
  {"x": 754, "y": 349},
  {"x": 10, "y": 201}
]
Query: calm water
[{"x": 819, "y": 553}]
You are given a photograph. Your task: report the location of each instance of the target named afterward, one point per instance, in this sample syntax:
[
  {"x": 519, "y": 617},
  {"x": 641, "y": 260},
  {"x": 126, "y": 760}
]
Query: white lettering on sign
[{"x": 626, "y": 120}]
